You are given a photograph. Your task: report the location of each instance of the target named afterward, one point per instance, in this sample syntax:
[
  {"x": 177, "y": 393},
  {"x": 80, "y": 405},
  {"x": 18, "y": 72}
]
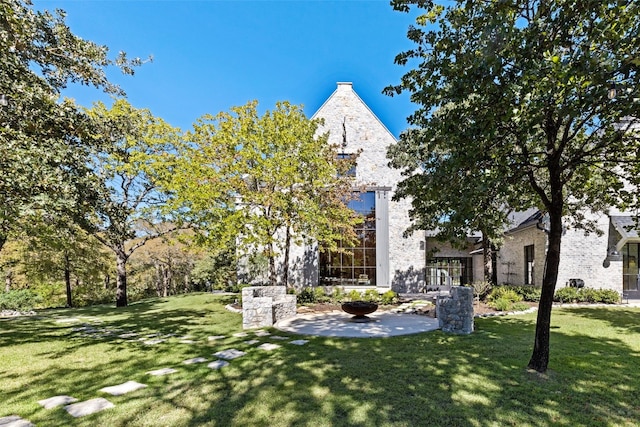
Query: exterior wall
[
  {"x": 347, "y": 118},
  {"x": 510, "y": 262},
  {"x": 582, "y": 257}
]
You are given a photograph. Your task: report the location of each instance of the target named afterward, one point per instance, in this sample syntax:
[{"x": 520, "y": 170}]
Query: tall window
[
  {"x": 447, "y": 272},
  {"x": 630, "y": 270},
  {"x": 529, "y": 261},
  {"x": 358, "y": 268}
]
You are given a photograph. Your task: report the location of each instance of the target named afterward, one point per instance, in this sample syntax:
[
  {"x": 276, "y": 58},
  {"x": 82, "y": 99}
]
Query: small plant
[
  {"x": 19, "y": 300},
  {"x": 353, "y": 296},
  {"x": 566, "y": 295},
  {"x": 501, "y": 304},
  {"x": 321, "y": 296},
  {"x": 306, "y": 296},
  {"x": 389, "y": 297},
  {"x": 338, "y": 295},
  {"x": 371, "y": 295},
  {"x": 608, "y": 296},
  {"x": 504, "y": 292},
  {"x": 480, "y": 290}
]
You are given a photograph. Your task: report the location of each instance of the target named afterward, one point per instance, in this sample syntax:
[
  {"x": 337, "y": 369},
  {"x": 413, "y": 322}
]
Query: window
[
  {"x": 348, "y": 158},
  {"x": 357, "y": 268},
  {"x": 447, "y": 272},
  {"x": 529, "y": 263},
  {"x": 630, "y": 255}
]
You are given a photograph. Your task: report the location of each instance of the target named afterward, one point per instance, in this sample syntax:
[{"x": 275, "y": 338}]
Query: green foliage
[
  {"x": 353, "y": 295},
  {"x": 504, "y": 292},
  {"x": 481, "y": 289},
  {"x": 566, "y": 295},
  {"x": 45, "y": 140},
  {"x": 306, "y": 296},
  {"x": 389, "y": 297},
  {"x": 251, "y": 179},
  {"x": 513, "y": 113},
  {"x": 587, "y": 295},
  {"x": 371, "y": 295},
  {"x": 19, "y": 300},
  {"x": 527, "y": 292}
]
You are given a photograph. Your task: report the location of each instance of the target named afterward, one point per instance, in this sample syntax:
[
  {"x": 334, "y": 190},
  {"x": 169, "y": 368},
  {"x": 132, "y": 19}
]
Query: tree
[
  {"x": 126, "y": 199},
  {"x": 43, "y": 162},
  {"x": 517, "y": 93},
  {"x": 263, "y": 182}
]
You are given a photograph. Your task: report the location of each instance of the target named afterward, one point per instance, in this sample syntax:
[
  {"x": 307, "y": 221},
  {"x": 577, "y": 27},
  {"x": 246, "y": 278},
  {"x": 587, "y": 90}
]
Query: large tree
[
  {"x": 127, "y": 203},
  {"x": 518, "y": 93},
  {"x": 264, "y": 182},
  {"x": 43, "y": 161}
]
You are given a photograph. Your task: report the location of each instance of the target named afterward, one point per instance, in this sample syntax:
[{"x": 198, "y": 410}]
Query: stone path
[{"x": 91, "y": 406}]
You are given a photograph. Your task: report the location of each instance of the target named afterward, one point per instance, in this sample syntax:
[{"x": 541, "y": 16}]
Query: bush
[
  {"x": 389, "y": 297},
  {"x": 504, "y": 292},
  {"x": 481, "y": 289},
  {"x": 566, "y": 295},
  {"x": 371, "y": 295},
  {"x": 590, "y": 295},
  {"x": 353, "y": 296},
  {"x": 501, "y": 304},
  {"x": 321, "y": 296},
  {"x": 528, "y": 292},
  {"x": 306, "y": 296},
  {"x": 19, "y": 300}
]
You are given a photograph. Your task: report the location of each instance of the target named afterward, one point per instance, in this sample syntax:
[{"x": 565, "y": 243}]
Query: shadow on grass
[{"x": 426, "y": 379}]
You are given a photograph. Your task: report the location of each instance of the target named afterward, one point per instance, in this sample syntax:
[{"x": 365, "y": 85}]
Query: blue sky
[{"x": 211, "y": 55}]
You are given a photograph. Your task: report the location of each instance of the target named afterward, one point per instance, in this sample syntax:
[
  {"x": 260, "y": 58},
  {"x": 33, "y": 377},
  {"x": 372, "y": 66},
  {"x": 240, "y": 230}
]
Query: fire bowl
[{"x": 359, "y": 309}]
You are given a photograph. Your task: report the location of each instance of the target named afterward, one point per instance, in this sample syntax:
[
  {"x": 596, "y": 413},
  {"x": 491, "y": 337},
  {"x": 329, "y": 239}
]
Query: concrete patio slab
[
  {"x": 299, "y": 342},
  {"x": 338, "y": 324},
  {"x": 120, "y": 389},
  {"x": 88, "y": 407},
  {"x": 55, "y": 401}
]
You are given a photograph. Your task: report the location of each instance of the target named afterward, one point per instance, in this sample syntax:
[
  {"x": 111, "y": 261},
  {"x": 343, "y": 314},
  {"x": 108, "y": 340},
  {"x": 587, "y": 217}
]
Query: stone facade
[
  {"x": 455, "y": 312},
  {"x": 263, "y": 306},
  {"x": 400, "y": 260}
]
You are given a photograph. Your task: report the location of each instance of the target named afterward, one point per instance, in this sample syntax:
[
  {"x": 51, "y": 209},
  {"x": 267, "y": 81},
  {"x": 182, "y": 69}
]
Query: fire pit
[{"x": 359, "y": 309}]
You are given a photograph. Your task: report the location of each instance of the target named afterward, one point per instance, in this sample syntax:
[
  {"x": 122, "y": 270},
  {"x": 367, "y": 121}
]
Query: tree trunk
[
  {"x": 487, "y": 255},
  {"x": 67, "y": 279},
  {"x": 287, "y": 247},
  {"x": 8, "y": 279},
  {"x": 540, "y": 357},
  {"x": 121, "y": 280},
  {"x": 273, "y": 276}
]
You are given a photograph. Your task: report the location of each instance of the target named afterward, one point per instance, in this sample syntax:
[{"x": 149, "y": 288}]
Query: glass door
[{"x": 630, "y": 257}]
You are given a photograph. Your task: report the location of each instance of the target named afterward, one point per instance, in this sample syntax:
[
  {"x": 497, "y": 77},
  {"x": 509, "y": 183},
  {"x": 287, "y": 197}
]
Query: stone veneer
[
  {"x": 455, "y": 312},
  {"x": 263, "y": 306}
]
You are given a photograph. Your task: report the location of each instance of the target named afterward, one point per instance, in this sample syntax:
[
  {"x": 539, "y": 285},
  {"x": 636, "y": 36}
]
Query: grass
[{"x": 425, "y": 379}]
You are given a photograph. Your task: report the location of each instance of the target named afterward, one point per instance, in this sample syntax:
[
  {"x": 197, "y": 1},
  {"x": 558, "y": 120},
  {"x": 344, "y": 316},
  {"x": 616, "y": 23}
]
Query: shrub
[
  {"x": 528, "y": 292},
  {"x": 19, "y": 300},
  {"x": 481, "y": 289},
  {"x": 608, "y": 296},
  {"x": 389, "y": 297},
  {"x": 353, "y": 296},
  {"x": 306, "y": 296},
  {"x": 321, "y": 296},
  {"x": 504, "y": 292},
  {"x": 338, "y": 295},
  {"x": 371, "y": 295},
  {"x": 501, "y": 304},
  {"x": 566, "y": 295},
  {"x": 520, "y": 306}
]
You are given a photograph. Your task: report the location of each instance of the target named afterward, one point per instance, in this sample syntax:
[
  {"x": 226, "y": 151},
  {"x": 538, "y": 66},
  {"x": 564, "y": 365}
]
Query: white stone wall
[
  {"x": 581, "y": 257},
  {"x": 510, "y": 261},
  {"x": 346, "y": 116}
]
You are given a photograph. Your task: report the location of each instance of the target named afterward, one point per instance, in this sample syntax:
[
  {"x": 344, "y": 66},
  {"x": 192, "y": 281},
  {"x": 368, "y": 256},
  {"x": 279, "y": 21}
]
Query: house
[
  {"x": 385, "y": 258},
  {"x": 388, "y": 259}
]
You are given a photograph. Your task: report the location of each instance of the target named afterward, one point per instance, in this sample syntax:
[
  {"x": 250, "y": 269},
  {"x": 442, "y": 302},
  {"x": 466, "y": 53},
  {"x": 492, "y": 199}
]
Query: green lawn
[{"x": 428, "y": 379}]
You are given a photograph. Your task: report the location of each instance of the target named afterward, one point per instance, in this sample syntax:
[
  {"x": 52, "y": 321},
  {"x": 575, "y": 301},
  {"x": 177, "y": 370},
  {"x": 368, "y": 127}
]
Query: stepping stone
[
  {"x": 153, "y": 342},
  {"x": 163, "y": 371},
  {"x": 262, "y": 333},
  {"x": 218, "y": 364},
  {"x": 229, "y": 354},
  {"x": 120, "y": 389},
  {"x": 194, "y": 360},
  {"x": 128, "y": 335},
  {"x": 54, "y": 401},
  {"x": 88, "y": 407},
  {"x": 277, "y": 337},
  {"x": 186, "y": 337},
  {"x": 216, "y": 337},
  {"x": 153, "y": 335},
  {"x": 268, "y": 346},
  {"x": 187, "y": 342},
  {"x": 67, "y": 320},
  {"x": 241, "y": 334},
  {"x": 299, "y": 342},
  {"x": 251, "y": 342},
  {"x": 15, "y": 421}
]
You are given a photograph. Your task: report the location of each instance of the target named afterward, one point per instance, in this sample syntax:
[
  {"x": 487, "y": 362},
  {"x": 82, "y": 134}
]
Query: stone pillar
[
  {"x": 455, "y": 313},
  {"x": 262, "y": 306}
]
